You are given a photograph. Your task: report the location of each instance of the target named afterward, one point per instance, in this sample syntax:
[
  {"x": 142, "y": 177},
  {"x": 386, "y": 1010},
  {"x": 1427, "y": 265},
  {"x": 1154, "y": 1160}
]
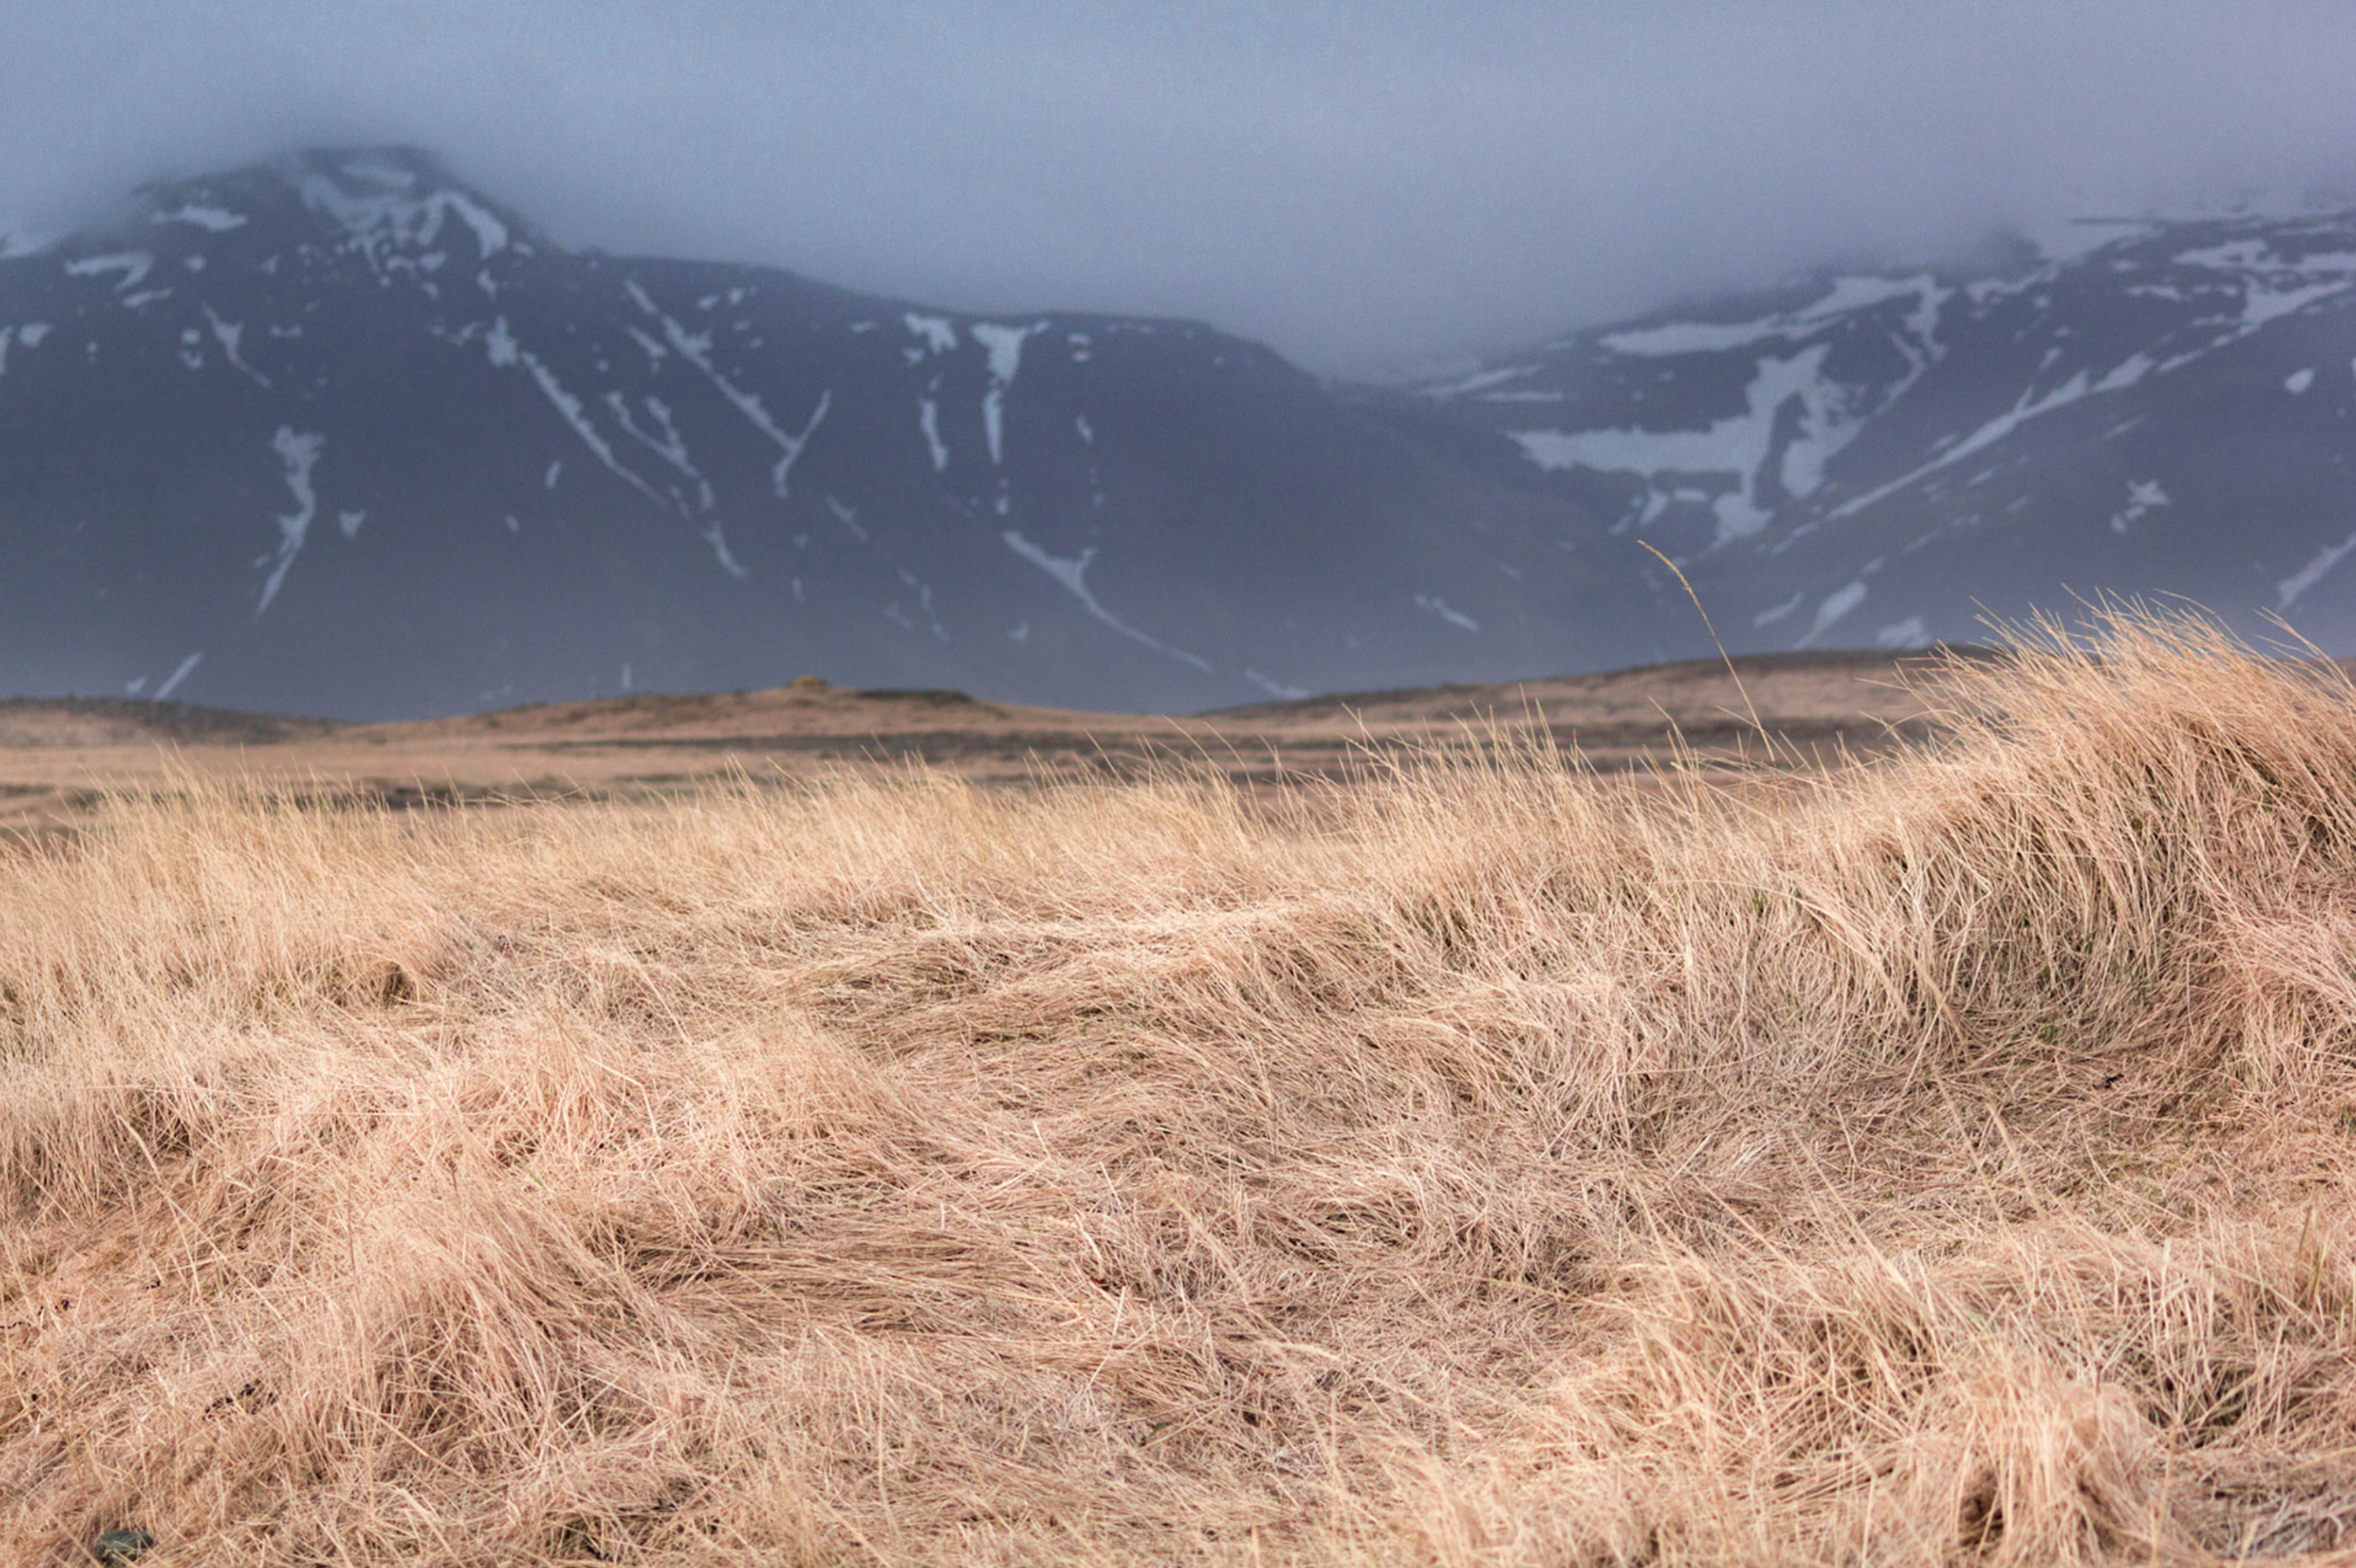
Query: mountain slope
[
  {"x": 341, "y": 435},
  {"x": 1877, "y": 458}
]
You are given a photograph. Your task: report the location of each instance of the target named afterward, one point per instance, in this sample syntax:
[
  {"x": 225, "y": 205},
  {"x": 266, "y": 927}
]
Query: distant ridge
[
  {"x": 104, "y": 720},
  {"x": 1809, "y": 689}
]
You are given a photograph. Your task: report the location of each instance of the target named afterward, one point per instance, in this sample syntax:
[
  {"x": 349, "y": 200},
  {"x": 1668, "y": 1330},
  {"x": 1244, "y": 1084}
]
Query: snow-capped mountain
[
  {"x": 1883, "y": 458},
  {"x": 341, "y": 435}
]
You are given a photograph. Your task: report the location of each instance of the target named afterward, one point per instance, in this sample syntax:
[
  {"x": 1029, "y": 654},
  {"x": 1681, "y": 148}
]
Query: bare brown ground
[
  {"x": 56, "y": 759},
  {"x": 1944, "y": 1159}
]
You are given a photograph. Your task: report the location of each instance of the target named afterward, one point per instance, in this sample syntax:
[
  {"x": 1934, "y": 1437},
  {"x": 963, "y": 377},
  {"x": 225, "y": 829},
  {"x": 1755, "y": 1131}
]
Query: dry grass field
[
  {"x": 57, "y": 758},
  {"x": 1945, "y": 1156}
]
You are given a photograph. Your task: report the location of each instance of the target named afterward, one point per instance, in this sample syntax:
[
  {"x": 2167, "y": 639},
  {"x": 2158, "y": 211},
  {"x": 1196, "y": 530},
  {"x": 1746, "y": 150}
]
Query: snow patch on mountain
[
  {"x": 2144, "y": 495},
  {"x": 781, "y": 474},
  {"x": 925, "y": 604},
  {"x": 656, "y": 352},
  {"x": 229, "y": 333},
  {"x": 500, "y": 343},
  {"x": 1279, "y": 689},
  {"x": 1837, "y": 605},
  {"x": 1433, "y": 604},
  {"x": 134, "y": 266},
  {"x": 1742, "y": 449},
  {"x": 695, "y": 348},
  {"x": 938, "y": 332},
  {"x": 666, "y": 443},
  {"x": 300, "y": 453},
  {"x": 929, "y": 420},
  {"x": 2287, "y": 591},
  {"x": 2272, "y": 285},
  {"x": 1846, "y": 295},
  {"x": 2028, "y": 406},
  {"x": 848, "y": 516},
  {"x": 1480, "y": 380},
  {"x": 1004, "y": 345},
  {"x": 186, "y": 668},
  {"x": 377, "y": 206},
  {"x": 576, "y": 416},
  {"x": 28, "y": 335},
  {"x": 2263, "y": 303},
  {"x": 1071, "y": 572},
  {"x": 211, "y": 220},
  {"x": 714, "y": 536}
]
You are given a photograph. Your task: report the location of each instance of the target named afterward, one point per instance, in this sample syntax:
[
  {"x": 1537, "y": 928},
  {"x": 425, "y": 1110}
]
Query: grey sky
[{"x": 1367, "y": 186}]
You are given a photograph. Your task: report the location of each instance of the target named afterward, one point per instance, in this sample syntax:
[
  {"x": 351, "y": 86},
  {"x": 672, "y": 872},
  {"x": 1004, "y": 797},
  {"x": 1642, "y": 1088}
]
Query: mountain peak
[{"x": 377, "y": 199}]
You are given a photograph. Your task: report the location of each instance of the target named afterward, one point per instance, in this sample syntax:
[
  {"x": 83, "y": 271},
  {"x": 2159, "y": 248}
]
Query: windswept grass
[{"x": 1943, "y": 1160}]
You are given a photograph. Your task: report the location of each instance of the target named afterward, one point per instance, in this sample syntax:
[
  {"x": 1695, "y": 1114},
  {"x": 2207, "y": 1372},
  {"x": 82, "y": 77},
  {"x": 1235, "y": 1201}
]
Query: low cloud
[{"x": 1368, "y": 185}]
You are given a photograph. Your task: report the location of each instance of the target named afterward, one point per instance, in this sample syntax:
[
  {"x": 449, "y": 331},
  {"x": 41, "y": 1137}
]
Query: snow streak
[
  {"x": 1071, "y": 572},
  {"x": 301, "y": 454}
]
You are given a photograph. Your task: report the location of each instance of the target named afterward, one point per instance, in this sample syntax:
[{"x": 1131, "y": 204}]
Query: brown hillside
[{"x": 53, "y": 756}]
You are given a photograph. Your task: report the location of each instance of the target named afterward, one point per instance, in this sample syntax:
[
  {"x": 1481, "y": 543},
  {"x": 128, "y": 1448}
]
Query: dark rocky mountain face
[
  {"x": 339, "y": 435},
  {"x": 1880, "y": 459}
]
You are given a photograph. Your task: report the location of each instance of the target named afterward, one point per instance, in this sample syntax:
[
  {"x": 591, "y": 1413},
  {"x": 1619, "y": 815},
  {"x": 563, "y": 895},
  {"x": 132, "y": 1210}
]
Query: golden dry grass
[
  {"x": 1946, "y": 1159},
  {"x": 60, "y": 759}
]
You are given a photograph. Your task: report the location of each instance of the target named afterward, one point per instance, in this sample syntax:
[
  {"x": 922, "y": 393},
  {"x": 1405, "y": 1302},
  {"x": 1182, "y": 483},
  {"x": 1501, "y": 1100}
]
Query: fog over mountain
[
  {"x": 1368, "y": 187},
  {"x": 340, "y": 433}
]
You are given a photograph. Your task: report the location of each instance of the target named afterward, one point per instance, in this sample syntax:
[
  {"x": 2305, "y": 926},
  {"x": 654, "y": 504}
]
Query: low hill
[
  {"x": 1813, "y": 706},
  {"x": 125, "y": 721}
]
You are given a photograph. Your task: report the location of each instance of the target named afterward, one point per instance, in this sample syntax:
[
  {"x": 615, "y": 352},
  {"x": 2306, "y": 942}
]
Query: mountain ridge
[
  {"x": 1914, "y": 415},
  {"x": 623, "y": 442},
  {"x": 340, "y": 434}
]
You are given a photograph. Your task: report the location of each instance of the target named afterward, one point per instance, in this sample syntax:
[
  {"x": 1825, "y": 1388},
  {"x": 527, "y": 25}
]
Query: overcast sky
[{"x": 1369, "y": 187}]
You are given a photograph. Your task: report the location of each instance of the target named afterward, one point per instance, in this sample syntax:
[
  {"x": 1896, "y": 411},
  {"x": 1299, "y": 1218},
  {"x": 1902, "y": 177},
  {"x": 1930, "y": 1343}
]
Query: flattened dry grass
[{"x": 1945, "y": 1161}]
